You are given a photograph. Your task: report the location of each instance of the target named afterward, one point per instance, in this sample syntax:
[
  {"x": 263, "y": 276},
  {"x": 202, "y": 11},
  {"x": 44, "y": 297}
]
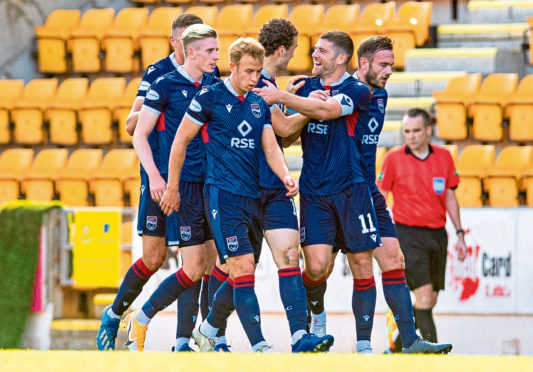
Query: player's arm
[
  {"x": 133, "y": 117},
  {"x": 285, "y": 126},
  {"x": 187, "y": 130},
  {"x": 146, "y": 124},
  {"x": 321, "y": 110},
  {"x": 452, "y": 206},
  {"x": 277, "y": 162}
]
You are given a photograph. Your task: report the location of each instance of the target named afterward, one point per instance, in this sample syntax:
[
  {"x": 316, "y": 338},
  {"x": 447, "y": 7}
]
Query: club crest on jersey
[
  {"x": 302, "y": 234},
  {"x": 256, "y": 110},
  {"x": 232, "y": 243},
  {"x": 381, "y": 105},
  {"x": 185, "y": 232},
  {"x": 151, "y": 222},
  {"x": 334, "y": 92},
  {"x": 438, "y": 185}
]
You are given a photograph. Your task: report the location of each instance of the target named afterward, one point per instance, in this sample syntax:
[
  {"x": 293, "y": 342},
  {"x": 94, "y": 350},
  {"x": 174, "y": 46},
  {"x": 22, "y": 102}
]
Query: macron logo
[
  {"x": 229, "y": 107},
  {"x": 366, "y": 317},
  {"x": 214, "y": 213},
  {"x": 374, "y": 237}
]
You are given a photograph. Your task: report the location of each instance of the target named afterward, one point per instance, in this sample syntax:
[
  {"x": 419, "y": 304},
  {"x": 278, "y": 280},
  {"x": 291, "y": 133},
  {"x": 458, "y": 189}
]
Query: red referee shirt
[{"x": 419, "y": 186}]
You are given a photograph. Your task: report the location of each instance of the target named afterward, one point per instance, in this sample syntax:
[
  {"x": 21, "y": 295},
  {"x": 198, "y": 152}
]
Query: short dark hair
[
  {"x": 185, "y": 20},
  {"x": 373, "y": 44},
  {"x": 275, "y": 33},
  {"x": 426, "y": 116},
  {"x": 342, "y": 42}
]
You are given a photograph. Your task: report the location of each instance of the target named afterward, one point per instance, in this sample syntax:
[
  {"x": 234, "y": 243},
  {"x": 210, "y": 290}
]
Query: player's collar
[
  {"x": 232, "y": 90},
  {"x": 338, "y": 82},
  {"x": 267, "y": 75},
  {"x": 172, "y": 57},
  {"x": 186, "y": 75}
]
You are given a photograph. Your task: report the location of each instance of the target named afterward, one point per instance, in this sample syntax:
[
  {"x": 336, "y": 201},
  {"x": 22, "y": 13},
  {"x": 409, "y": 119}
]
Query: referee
[{"x": 422, "y": 179}]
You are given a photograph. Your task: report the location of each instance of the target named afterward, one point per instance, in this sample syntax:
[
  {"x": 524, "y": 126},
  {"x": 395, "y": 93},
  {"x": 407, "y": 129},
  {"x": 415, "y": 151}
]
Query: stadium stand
[
  {"x": 520, "y": 111},
  {"x": 487, "y": 106},
  {"x": 37, "y": 182},
  {"x": 84, "y": 40},
  {"x": 123, "y": 108},
  {"x": 305, "y": 17},
  {"x": 530, "y": 26},
  {"x": 207, "y": 13},
  {"x": 153, "y": 39},
  {"x": 10, "y": 91},
  {"x": 264, "y": 14},
  {"x": 52, "y": 40},
  {"x": 61, "y": 111},
  {"x": 28, "y": 111},
  {"x": 337, "y": 17},
  {"x": 13, "y": 164},
  {"x": 473, "y": 165}
]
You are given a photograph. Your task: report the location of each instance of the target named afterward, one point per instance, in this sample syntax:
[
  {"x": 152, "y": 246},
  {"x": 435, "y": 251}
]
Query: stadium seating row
[
  {"x": 72, "y": 112},
  {"x": 99, "y": 41},
  {"x": 84, "y": 178},
  {"x": 497, "y": 102}
]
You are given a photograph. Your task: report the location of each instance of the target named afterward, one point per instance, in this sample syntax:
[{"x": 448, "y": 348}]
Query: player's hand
[
  {"x": 293, "y": 88},
  {"x": 291, "y": 185},
  {"x": 270, "y": 93},
  {"x": 170, "y": 201},
  {"x": 461, "y": 247},
  {"x": 322, "y": 95},
  {"x": 157, "y": 187}
]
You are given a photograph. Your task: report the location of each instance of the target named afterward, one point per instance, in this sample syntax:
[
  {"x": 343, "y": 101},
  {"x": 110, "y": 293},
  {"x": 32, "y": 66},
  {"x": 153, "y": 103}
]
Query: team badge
[
  {"x": 151, "y": 222},
  {"x": 438, "y": 185},
  {"x": 185, "y": 232},
  {"x": 302, "y": 234},
  {"x": 381, "y": 105},
  {"x": 232, "y": 243},
  {"x": 334, "y": 92},
  {"x": 256, "y": 110}
]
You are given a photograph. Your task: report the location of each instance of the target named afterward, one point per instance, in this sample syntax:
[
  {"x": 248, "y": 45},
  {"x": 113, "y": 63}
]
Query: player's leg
[
  {"x": 152, "y": 227},
  {"x": 224, "y": 303},
  {"x": 210, "y": 258}
]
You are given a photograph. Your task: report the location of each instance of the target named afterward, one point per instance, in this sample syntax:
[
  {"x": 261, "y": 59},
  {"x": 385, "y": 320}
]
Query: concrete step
[
  {"x": 499, "y": 11},
  {"x": 508, "y": 36},
  {"x": 411, "y": 84},
  {"x": 471, "y": 60}
]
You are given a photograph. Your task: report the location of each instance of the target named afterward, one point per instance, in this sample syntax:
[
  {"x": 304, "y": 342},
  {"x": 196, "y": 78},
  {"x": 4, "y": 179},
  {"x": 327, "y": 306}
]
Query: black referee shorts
[{"x": 425, "y": 252}]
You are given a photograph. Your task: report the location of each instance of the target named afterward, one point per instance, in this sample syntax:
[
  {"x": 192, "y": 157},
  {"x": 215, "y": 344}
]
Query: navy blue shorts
[
  {"x": 346, "y": 219},
  {"x": 235, "y": 222},
  {"x": 279, "y": 211},
  {"x": 387, "y": 229},
  {"x": 193, "y": 226},
  {"x": 150, "y": 218}
]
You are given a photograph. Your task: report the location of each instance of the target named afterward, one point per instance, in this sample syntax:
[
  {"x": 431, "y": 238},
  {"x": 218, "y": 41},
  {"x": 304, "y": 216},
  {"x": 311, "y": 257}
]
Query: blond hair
[
  {"x": 246, "y": 46},
  {"x": 197, "y": 32}
]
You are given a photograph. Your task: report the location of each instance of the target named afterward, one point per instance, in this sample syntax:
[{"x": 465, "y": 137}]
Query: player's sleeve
[
  {"x": 148, "y": 78},
  {"x": 355, "y": 97},
  {"x": 155, "y": 100},
  {"x": 199, "y": 111},
  {"x": 268, "y": 117},
  {"x": 452, "y": 179},
  {"x": 386, "y": 176},
  {"x": 300, "y": 92}
]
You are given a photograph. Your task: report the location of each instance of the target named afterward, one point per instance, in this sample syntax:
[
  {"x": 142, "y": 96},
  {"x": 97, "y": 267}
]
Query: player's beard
[{"x": 371, "y": 79}]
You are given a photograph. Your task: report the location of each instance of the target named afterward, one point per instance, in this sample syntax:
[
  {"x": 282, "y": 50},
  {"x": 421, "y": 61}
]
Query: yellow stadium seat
[
  {"x": 520, "y": 111},
  {"x": 207, "y": 13},
  {"x": 120, "y": 42},
  {"x": 473, "y": 165},
  {"x": 72, "y": 182},
  {"x": 96, "y": 111},
  {"x": 453, "y": 152},
  {"x": 503, "y": 178},
  {"x": 13, "y": 164},
  {"x": 132, "y": 185},
  {"x": 487, "y": 106},
  {"x": 305, "y": 17},
  {"x": 230, "y": 24},
  {"x": 61, "y": 111},
  {"x": 10, "y": 91},
  {"x": 107, "y": 181},
  {"x": 179, "y": 1},
  {"x": 413, "y": 17},
  {"x": 123, "y": 109},
  {"x": 338, "y": 17},
  {"x": 263, "y": 15},
  {"x": 52, "y": 40},
  {"x": 211, "y": 2},
  {"x": 153, "y": 39},
  {"x": 28, "y": 112},
  {"x": 38, "y": 182},
  {"x": 452, "y": 106},
  {"x": 529, "y": 21},
  {"x": 370, "y": 23},
  {"x": 84, "y": 40}
]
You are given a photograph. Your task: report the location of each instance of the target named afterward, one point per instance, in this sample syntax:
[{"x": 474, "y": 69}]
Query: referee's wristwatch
[{"x": 460, "y": 231}]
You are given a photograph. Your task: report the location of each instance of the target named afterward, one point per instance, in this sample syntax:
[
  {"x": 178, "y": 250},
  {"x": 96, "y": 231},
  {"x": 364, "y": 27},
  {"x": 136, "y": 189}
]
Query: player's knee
[
  {"x": 292, "y": 256},
  {"x": 316, "y": 270},
  {"x": 153, "y": 262}
]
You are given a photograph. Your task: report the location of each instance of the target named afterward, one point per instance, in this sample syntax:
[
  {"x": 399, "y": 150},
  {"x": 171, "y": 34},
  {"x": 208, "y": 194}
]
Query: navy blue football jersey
[
  {"x": 232, "y": 128},
  {"x": 169, "y": 97},
  {"x": 267, "y": 178},
  {"x": 331, "y": 160},
  {"x": 368, "y": 128},
  {"x": 154, "y": 71}
]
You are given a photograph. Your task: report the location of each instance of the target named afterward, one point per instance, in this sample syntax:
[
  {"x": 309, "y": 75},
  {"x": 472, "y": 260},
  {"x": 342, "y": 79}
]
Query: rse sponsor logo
[
  {"x": 370, "y": 139},
  {"x": 243, "y": 143},
  {"x": 317, "y": 128},
  {"x": 152, "y": 95}
]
